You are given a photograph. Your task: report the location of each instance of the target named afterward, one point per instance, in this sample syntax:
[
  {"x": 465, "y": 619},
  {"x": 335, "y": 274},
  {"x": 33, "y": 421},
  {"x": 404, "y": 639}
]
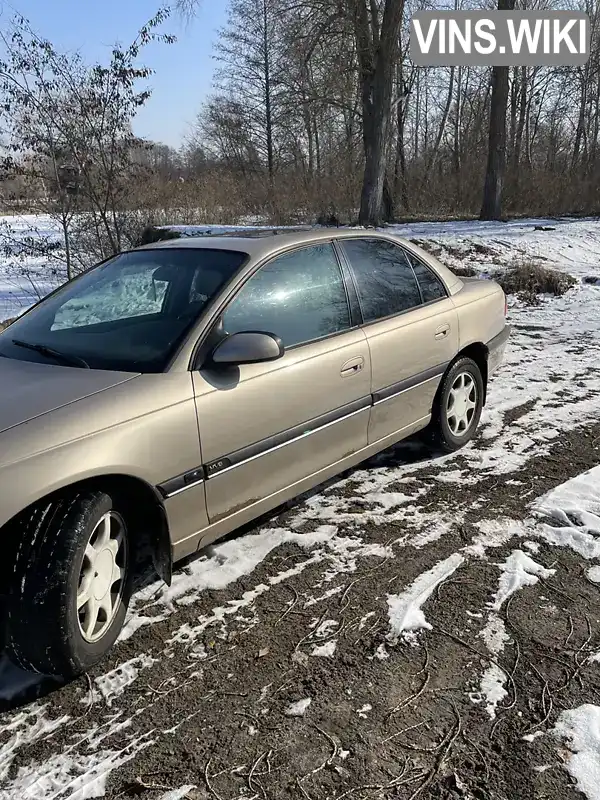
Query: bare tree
[
  {"x": 68, "y": 137},
  {"x": 248, "y": 50},
  {"x": 491, "y": 207},
  {"x": 377, "y": 31}
]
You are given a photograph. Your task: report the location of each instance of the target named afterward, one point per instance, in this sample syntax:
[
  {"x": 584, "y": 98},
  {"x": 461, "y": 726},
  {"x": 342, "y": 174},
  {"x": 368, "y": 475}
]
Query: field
[{"x": 422, "y": 627}]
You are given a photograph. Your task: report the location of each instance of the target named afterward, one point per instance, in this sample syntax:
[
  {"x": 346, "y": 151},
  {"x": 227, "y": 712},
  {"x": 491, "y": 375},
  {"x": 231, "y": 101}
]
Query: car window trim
[
  {"x": 356, "y": 315},
  {"x": 218, "y": 314},
  {"x": 429, "y": 269},
  {"x": 349, "y": 262}
]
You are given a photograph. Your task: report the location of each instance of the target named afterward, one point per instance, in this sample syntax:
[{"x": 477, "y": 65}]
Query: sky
[{"x": 183, "y": 71}]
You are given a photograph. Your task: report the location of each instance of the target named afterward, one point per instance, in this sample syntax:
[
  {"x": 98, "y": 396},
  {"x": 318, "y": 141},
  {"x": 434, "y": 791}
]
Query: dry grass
[{"x": 528, "y": 280}]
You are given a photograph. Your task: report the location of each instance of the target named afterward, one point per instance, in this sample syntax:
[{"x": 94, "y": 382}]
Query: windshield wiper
[{"x": 65, "y": 358}]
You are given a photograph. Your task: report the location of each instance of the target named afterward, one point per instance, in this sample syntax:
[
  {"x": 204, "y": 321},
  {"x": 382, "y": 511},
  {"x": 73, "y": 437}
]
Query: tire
[
  {"x": 443, "y": 432},
  {"x": 64, "y": 556}
]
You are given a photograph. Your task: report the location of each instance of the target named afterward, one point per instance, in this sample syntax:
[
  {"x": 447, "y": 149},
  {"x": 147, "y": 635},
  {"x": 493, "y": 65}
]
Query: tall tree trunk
[
  {"x": 377, "y": 48},
  {"x": 491, "y": 207},
  {"x": 514, "y": 101},
  {"x": 417, "y": 112},
  {"x": 522, "y": 114},
  {"x": 400, "y": 184},
  {"x": 268, "y": 100},
  {"x": 456, "y": 145},
  {"x": 595, "y": 130}
]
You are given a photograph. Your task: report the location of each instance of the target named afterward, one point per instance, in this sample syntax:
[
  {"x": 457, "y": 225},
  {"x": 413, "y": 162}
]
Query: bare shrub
[
  {"x": 528, "y": 280},
  {"x": 464, "y": 271},
  {"x": 151, "y": 234}
]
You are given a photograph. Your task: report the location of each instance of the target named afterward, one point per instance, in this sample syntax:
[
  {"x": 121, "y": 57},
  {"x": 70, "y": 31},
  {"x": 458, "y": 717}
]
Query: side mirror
[{"x": 248, "y": 347}]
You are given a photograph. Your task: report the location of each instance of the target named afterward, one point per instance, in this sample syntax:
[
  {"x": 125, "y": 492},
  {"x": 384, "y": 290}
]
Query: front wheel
[
  {"x": 458, "y": 406},
  {"x": 71, "y": 584}
]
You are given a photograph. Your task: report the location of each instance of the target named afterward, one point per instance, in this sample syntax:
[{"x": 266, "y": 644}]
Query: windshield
[{"x": 128, "y": 314}]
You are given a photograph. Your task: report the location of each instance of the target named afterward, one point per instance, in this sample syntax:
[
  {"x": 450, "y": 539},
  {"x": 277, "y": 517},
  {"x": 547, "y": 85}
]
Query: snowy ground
[{"x": 420, "y": 628}]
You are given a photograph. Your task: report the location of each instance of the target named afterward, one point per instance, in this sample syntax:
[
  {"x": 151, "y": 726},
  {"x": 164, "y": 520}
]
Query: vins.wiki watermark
[{"x": 499, "y": 38}]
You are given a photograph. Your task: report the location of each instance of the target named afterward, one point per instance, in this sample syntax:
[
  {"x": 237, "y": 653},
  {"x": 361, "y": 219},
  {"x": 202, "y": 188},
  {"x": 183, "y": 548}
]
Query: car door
[
  {"x": 411, "y": 327},
  {"x": 265, "y": 427}
]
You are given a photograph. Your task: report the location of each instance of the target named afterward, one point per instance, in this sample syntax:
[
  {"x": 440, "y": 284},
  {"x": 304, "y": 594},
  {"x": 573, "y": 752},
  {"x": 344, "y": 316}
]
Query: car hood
[{"x": 29, "y": 390}]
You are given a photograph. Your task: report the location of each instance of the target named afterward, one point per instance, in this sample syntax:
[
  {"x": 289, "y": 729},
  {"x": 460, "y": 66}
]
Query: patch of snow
[
  {"x": 519, "y": 570},
  {"x": 593, "y": 574},
  {"x": 177, "y": 794},
  {"x": 493, "y": 534},
  {"x": 580, "y": 728},
  {"x": 578, "y": 497},
  {"x": 381, "y": 653},
  {"x": 435, "y": 530},
  {"x": 365, "y": 619},
  {"x": 299, "y": 657},
  {"x": 313, "y": 601},
  {"x": 494, "y": 634},
  {"x": 452, "y": 476},
  {"x": 571, "y": 516},
  {"x": 492, "y": 688},
  {"x": 326, "y": 628},
  {"x": 79, "y": 777},
  {"x": 404, "y": 609},
  {"x": 298, "y": 709},
  {"x": 112, "y": 684},
  {"x": 326, "y": 650},
  {"x": 531, "y": 737},
  {"x": 26, "y": 727}
]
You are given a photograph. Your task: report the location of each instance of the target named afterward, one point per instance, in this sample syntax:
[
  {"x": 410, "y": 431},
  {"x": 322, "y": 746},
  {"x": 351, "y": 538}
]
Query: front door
[
  {"x": 265, "y": 427},
  {"x": 412, "y": 329}
]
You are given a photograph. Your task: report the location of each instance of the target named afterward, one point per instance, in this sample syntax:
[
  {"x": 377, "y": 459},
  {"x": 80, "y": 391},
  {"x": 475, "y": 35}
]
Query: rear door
[
  {"x": 412, "y": 329},
  {"x": 266, "y": 427}
]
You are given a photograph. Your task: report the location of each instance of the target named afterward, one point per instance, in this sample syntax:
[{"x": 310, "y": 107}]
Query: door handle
[
  {"x": 352, "y": 367},
  {"x": 442, "y": 332}
]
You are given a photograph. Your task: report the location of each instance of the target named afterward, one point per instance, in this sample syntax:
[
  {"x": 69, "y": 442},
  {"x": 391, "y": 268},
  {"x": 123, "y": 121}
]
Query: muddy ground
[
  {"x": 218, "y": 723},
  {"x": 387, "y": 719}
]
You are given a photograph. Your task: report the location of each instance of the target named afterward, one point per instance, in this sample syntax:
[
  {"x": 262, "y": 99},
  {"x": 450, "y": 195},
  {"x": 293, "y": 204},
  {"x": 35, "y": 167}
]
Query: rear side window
[
  {"x": 432, "y": 287},
  {"x": 385, "y": 280},
  {"x": 299, "y": 297}
]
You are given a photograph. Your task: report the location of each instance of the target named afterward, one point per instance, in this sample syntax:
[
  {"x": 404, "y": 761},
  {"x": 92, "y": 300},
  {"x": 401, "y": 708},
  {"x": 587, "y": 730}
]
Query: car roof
[{"x": 259, "y": 242}]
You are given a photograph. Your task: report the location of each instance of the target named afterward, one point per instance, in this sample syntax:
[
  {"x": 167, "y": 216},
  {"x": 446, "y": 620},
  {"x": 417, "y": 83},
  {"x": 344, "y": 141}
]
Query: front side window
[
  {"x": 432, "y": 287},
  {"x": 128, "y": 314},
  {"x": 385, "y": 280},
  {"x": 299, "y": 297}
]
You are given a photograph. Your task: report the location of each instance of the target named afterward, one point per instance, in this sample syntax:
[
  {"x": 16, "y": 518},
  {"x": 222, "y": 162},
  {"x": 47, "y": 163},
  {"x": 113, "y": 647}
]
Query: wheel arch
[
  {"x": 479, "y": 353},
  {"x": 131, "y": 493}
]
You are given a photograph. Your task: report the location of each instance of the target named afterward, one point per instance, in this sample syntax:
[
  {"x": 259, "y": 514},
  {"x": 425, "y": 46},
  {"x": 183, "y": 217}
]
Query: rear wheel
[
  {"x": 458, "y": 406},
  {"x": 71, "y": 585}
]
